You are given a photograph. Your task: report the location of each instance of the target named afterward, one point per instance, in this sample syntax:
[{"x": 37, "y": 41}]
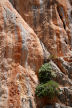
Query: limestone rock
[
  {"x": 51, "y": 20},
  {"x": 21, "y": 56},
  {"x": 22, "y": 52},
  {"x": 61, "y": 106},
  {"x": 61, "y": 78},
  {"x": 66, "y": 96}
]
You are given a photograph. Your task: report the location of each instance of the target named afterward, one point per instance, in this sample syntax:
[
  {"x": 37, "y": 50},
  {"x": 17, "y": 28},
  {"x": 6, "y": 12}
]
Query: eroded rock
[{"x": 21, "y": 56}]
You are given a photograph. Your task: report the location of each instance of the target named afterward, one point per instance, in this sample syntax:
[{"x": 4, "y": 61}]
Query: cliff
[
  {"x": 21, "y": 56},
  {"x": 23, "y": 51}
]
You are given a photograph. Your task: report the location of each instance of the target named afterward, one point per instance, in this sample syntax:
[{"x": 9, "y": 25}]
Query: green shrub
[
  {"x": 49, "y": 89},
  {"x": 46, "y": 73}
]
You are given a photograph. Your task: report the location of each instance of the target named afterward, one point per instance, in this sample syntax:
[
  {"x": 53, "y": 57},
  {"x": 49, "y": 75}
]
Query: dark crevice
[
  {"x": 70, "y": 2},
  {"x": 30, "y": 102},
  {"x": 13, "y": 3},
  {"x": 64, "y": 25},
  {"x": 61, "y": 17},
  {"x": 66, "y": 42},
  {"x": 71, "y": 13}
]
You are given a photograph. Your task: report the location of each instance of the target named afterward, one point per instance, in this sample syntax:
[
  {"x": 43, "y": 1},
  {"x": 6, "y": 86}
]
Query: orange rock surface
[
  {"x": 21, "y": 56},
  {"x": 51, "y": 20},
  {"x": 23, "y": 51}
]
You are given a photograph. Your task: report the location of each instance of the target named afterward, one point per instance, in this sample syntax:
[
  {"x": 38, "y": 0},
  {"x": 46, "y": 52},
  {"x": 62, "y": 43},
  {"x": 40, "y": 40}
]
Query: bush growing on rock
[
  {"x": 49, "y": 89},
  {"x": 46, "y": 73}
]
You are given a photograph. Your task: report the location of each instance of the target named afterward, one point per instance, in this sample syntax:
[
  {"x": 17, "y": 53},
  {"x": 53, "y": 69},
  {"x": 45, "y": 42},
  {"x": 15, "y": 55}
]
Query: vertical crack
[{"x": 61, "y": 15}]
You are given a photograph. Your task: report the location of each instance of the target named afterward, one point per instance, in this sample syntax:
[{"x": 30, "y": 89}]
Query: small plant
[
  {"x": 46, "y": 73},
  {"x": 49, "y": 89}
]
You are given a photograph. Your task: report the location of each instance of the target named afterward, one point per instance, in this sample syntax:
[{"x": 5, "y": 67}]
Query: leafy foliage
[
  {"x": 46, "y": 73},
  {"x": 49, "y": 89}
]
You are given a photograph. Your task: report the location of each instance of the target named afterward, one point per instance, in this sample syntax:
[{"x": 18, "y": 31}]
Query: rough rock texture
[
  {"x": 66, "y": 96},
  {"x": 61, "y": 106},
  {"x": 51, "y": 20},
  {"x": 21, "y": 56},
  {"x": 22, "y": 52}
]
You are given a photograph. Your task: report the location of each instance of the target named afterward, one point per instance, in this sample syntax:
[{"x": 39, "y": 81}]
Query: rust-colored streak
[
  {"x": 14, "y": 94},
  {"x": 59, "y": 51},
  {"x": 13, "y": 91},
  {"x": 18, "y": 47},
  {"x": 1, "y": 19}
]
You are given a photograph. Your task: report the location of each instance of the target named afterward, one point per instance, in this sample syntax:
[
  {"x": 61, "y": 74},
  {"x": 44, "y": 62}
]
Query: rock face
[
  {"x": 22, "y": 52},
  {"x": 51, "y": 20},
  {"x": 21, "y": 56}
]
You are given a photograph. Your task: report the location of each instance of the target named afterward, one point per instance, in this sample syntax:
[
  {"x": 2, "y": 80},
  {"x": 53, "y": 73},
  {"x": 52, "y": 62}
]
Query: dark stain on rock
[{"x": 30, "y": 102}]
